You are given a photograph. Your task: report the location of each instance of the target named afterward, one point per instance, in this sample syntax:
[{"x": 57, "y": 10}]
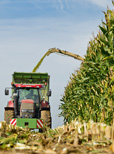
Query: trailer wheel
[
  {"x": 8, "y": 114},
  {"x": 46, "y": 116}
]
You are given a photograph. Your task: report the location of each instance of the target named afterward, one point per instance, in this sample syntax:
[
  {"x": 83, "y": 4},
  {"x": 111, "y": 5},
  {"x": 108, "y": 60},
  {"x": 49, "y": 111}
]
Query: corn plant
[{"x": 90, "y": 92}]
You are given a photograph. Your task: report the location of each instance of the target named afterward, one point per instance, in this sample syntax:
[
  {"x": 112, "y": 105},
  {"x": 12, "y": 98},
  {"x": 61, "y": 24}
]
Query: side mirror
[
  {"x": 49, "y": 93},
  {"x": 6, "y": 92}
]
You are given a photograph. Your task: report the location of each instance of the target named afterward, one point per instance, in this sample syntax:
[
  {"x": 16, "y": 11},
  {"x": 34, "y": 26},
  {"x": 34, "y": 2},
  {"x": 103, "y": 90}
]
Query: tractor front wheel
[
  {"x": 46, "y": 116},
  {"x": 8, "y": 114}
]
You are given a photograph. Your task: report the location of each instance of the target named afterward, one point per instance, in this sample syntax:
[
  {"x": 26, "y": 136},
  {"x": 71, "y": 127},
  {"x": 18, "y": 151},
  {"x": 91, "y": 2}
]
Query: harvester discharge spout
[{"x": 54, "y": 50}]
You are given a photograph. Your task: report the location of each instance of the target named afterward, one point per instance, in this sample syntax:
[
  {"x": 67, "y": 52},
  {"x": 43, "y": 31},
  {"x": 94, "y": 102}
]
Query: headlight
[
  {"x": 30, "y": 110},
  {"x": 25, "y": 110}
]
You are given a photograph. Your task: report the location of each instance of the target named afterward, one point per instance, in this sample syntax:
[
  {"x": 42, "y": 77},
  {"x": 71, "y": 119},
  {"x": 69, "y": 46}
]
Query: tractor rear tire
[
  {"x": 8, "y": 114},
  {"x": 46, "y": 116}
]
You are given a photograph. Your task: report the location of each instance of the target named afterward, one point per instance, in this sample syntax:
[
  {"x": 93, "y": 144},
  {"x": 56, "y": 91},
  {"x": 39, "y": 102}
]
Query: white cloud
[
  {"x": 102, "y": 3},
  {"x": 59, "y": 5},
  {"x": 63, "y": 6}
]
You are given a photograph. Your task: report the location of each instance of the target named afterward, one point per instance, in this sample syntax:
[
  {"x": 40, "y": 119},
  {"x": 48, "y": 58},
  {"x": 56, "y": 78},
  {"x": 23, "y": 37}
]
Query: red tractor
[{"x": 30, "y": 101}]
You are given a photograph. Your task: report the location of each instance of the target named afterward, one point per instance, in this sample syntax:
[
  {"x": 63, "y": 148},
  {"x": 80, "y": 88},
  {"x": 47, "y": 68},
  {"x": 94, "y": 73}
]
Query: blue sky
[
  {"x": 51, "y": 8},
  {"x": 28, "y": 28}
]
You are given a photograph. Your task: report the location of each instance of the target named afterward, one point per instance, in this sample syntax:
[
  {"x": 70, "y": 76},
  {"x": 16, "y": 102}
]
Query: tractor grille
[{"x": 27, "y": 110}]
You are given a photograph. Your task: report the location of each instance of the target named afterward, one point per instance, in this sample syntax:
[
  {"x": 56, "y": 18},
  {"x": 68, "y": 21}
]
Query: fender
[
  {"x": 45, "y": 105},
  {"x": 10, "y": 104}
]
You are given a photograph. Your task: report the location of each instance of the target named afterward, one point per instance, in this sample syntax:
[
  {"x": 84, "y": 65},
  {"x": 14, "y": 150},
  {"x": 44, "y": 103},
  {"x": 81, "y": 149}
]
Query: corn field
[{"x": 90, "y": 91}]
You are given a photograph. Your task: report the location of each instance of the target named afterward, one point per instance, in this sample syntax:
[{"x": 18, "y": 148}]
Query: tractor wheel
[
  {"x": 8, "y": 114},
  {"x": 46, "y": 116}
]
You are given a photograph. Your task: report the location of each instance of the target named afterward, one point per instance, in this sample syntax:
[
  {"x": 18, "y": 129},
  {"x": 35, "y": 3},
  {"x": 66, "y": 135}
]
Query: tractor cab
[{"x": 26, "y": 100}]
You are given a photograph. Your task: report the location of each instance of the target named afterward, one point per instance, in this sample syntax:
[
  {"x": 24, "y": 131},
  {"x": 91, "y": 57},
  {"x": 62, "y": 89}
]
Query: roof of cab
[{"x": 29, "y": 85}]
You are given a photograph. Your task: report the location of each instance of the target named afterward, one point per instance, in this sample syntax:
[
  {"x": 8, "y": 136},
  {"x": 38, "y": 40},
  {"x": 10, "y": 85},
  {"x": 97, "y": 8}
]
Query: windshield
[{"x": 28, "y": 94}]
